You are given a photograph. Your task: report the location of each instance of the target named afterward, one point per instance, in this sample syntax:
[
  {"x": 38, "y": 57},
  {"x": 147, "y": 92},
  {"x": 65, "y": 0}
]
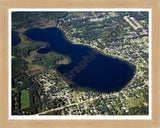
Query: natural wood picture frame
[{"x": 4, "y": 75}]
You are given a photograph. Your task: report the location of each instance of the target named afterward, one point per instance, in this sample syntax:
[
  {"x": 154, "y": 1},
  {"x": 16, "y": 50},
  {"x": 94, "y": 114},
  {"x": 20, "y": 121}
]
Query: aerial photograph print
[{"x": 79, "y": 63}]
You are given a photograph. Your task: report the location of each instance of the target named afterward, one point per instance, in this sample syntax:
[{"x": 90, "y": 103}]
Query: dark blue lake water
[
  {"x": 15, "y": 38},
  {"x": 88, "y": 67}
]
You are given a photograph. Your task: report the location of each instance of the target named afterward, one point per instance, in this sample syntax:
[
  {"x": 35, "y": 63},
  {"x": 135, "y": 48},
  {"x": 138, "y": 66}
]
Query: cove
[
  {"x": 15, "y": 38},
  {"x": 88, "y": 68}
]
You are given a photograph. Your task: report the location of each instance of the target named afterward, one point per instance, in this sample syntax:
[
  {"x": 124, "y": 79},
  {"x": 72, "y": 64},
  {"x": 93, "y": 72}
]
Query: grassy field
[
  {"x": 135, "y": 102},
  {"x": 75, "y": 94},
  {"x": 24, "y": 99}
]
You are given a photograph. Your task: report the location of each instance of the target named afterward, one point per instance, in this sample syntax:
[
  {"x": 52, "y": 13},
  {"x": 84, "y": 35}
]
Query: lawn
[
  {"x": 75, "y": 97},
  {"x": 24, "y": 99},
  {"x": 135, "y": 102}
]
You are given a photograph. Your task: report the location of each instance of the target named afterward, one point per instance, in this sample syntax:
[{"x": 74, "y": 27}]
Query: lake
[
  {"x": 88, "y": 68},
  {"x": 15, "y": 38}
]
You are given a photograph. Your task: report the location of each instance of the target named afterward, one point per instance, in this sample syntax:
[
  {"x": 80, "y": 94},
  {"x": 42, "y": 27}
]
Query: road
[{"x": 59, "y": 108}]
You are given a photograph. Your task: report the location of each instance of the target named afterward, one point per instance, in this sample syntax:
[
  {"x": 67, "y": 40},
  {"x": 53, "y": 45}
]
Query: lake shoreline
[
  {"x": 98, "y": 51},
  {"x": 110, "y": 55}
]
